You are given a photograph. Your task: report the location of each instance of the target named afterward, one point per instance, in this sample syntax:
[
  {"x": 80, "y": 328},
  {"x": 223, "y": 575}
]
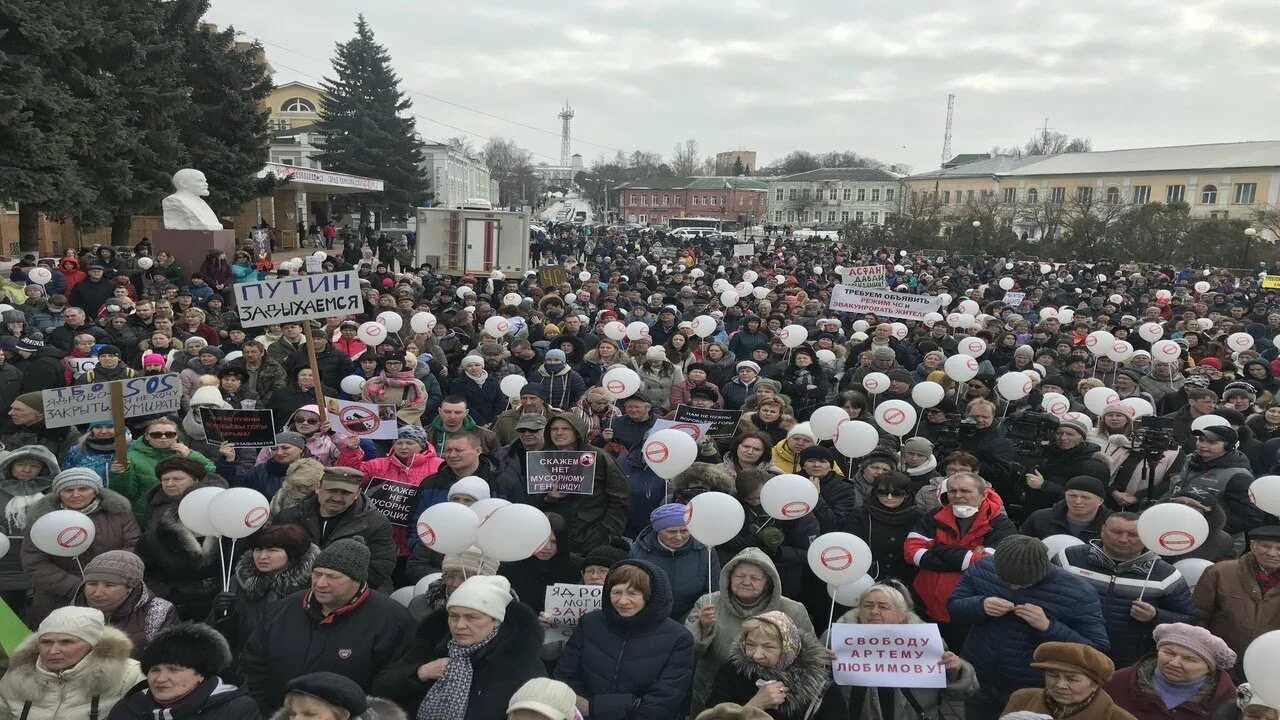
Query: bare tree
[
  {"x": 685, "y": 160},
  {"x": 462, "y": 146},
  {"x": 1051, "y": 142},
  {"x": 512, "y": 166}
]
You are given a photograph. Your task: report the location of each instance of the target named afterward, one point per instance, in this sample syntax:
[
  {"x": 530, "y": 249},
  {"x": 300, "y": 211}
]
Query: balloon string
[
  {"x": 831, "y": 617},
  {"x": 77, "y": 559},
  {"x": 1143, "y": 590},
  {"x": 710, "y": 549},
  {"x": 222, "y": 564}
]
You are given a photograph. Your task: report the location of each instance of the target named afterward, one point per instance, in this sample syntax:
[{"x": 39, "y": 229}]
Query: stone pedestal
[{"x": 190, "y": 247}]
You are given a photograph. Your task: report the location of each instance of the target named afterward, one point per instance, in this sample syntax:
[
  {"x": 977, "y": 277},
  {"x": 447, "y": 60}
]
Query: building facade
[
  {"x": 725, "y": 162},
  {"x": 833, "y": 196},
  {"x": 456, "y": 178},
  {"x": 657, "y": 200},
  {"x": 560, "y": 174},
  {"x": 293, "y": 105}
]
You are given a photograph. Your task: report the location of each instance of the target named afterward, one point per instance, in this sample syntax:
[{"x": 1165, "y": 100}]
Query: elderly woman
[
  {"x": 330, "y": 696},
  {"x": 26, "y": 474},
  {"x": 629, "y": 659},
  {"x": 182, "y": 666},
  {"x": 786, "y": 453},
  {"x": 137, "y": 477},
  {"x": 749, "y": 585},
  {"x": 396, "y": 385},
  {"x": 466, "y": 664},
  {"x": 1074, "y": 674},
  {"x": 689, "y": 564},
  {"x": 1187, "y": 677},
  {"x": 482, "y": 391},
  {"x": 889, "y": 603},
  {"x": 776, "y": 667},
  {"x": 113, "y": 584}
]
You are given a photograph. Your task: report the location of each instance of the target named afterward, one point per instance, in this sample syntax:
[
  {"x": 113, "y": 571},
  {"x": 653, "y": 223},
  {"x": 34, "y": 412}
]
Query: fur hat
[
  {"x": 1074, "y": 657},
  {"x": 190, "y": 645},
  {"x": 544, "y": 696},
  {"x": 1021, "y": 560},
  {"x": 332, "y": 688},
  {"x": 489, "y": 594},
  {"x": 349, "y": 556},
  {"x": 82, "y": 622}
]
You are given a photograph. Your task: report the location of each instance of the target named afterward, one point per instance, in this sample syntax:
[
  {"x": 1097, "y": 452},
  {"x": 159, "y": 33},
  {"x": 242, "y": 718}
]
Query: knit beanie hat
[
  {"x": 1075, "y": 424},
  {"x": 816, "y": 452},
  {"x": 605, "y": 556},
  {"x": 1025, "y": 351},
  {"x": 289, "y": 437},
  {"x": 489, "y": 594},
  {"x": 349, "y": 556},
  {"x": 1088, "y": 484},
  {"x": 470, "y": 360},
  {"x": 918, "y": 445},
  {"x": 332, "y": 688},
  {"x": 1198, "y": 640},
  {"x": 209, "y": 395},
  {"x": 549, "y": 698},
  {"x": 667, "y": 516},
  {"x": 1021, "y": 560},
  {"x": 76, "y": 477},
  {"x": 190, "y": 645},
  {"x": 1246, "y": 698},
  {"x": 555, "y": 355},
  {"x": 33, "y": 400},
  {"x": 804, "y": 429},
  {"x": 152, "y": 359},
  {"x": 116, "y": 566},
  {"x": 82, "y": 622},
  {"x": 414, "y": 433},
  {"x": 1026, "y": 715},
  {"x": 470, "y": 486},
  {"x": 472, "y": 562}
]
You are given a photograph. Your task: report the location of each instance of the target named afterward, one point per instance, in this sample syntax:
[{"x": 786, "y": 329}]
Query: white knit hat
[
  {"x": 547, "y": 697},
  {"x": 208, "y": 395},
  {"x": 488, "y": 594},
  {"x": 83, "y": 622},
  {"x": 804, "y": 429},
  {"x": 472, "y": 487}
]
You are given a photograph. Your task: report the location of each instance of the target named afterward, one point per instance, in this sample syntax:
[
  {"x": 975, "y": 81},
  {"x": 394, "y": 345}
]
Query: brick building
[{"x": 658, "y": 200}]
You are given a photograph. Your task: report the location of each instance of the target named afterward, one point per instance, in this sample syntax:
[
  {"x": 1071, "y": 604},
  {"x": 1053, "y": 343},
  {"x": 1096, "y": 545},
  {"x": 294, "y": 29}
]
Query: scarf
[
  {"x": 1173, "y": 694},
  {"x": 414, "y": 395},
  {"x": 101, "y": 446},
  {"x": 892, "y": 516},
  {"x": 1060, "y": 711},
  {"x": 448, "y": 698}
]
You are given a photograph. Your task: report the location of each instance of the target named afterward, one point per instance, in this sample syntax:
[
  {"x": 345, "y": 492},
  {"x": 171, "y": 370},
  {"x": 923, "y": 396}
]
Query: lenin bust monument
[{"x": 191, "y": 228}]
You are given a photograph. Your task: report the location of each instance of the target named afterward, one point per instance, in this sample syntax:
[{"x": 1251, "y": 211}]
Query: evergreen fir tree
[{"x": 366, "y": 129}]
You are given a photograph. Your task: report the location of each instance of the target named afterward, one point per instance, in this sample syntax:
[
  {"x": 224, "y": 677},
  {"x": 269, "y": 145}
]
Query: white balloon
[
  {"x": 1045, "y": 268},
  {"x": 513, "y": 532},
  {"x": 1055, "y": 404},
  {"x": 1261, "y": 658},
  {"x": 932, "y": 318},
  {"x": 403, "y": 595},
  {"x": 1192, "y": 569},
  {"x": 422, "y": 322},
  {"x": 968, "y": 307},
  {"x": 1164, "y": 294},
  {"x": 497, "y": 326},
  {"x": 1048, "y": 312},
  {"x": 422, "y": 585},
  {"x": 1265, "y": 493},
  {"x": 1207, "y": 421},
  {"x": 945, "y": 298},
  {"x": 320, "y": 255},
  {"x": 972, "y": 346},
  {"x": 704, "y": 326},
  {"x": 1120, "y": 351},
  {"x": 1116, "y": 300},
  {"x": 1202, "y": 287},
  {"x": 193, "y": 511},
  {"x": 511, "y": 385},
  {"x": 63, "y": 533},
  {"x": 896, "y": 417},
  {"x": 1239, "y": 341},
  {"x": 898, "y": 330},
  {"x": 637, "y": 330},
  {"x": 1014, "y": 385},
  {"x": 744, "y": 289},
  {"x": 875, "y": 383},
  {"x": 825, "y": 357},
  {"x": 4, "y": 545},
  {"x": 482, "y": 509},
  {"x": 145, "y": 263},
  {"x": 621, "y": 382},
  {"x": 233, "y": 355},
  {"x": 512, "y": 299},
  {"x": 787, "y": 497},
  {"x": 1057, "y": 543},
  {"x": 793, "y": 335},
  {"x": 960, "y": 368},
  {"x": 1172, "y": 528},
  {"x": 1066, "y": 315},
  {"x": 720, "y": 285},
  {"x": 850, "y": 593},
  {"x": 1205, "y": 323},
  {"x": 927, "y": 394},
  {"x": 238, "y": 512},
  {"x": 615, "y": 330},
  {"x": 760, "y": 293},
  {"x": 352, "y": 384},
  {"x": 464, "y": 291},
  {"x": 584, "y": 276},
  {"x": 825, "y": 420},
  {"x": 714, "y": 518},
  {"x": 1097, "y": 399},
  {"x": 839, "y": 557},
  {"x": 750, "y": 276},
  {"x": 729, "y": 298},
  {"x": 571, "y": 298},
  {"x": 965, "y": 321},
  {"x": 669, "y": 452},
  {"x": 1165, "y": 351},
  {"x": 863, "y": 326},
  {"x": 39, "y": 275},
  {"x": 1006, "y": 283},
  {"x": 372, "y": 333},
  {"x": 448, "y": 527},
  {"x": 1099, "y": 342},
  {"x": 855, "y": 438},
  {"x": 1141, "y": 408}
]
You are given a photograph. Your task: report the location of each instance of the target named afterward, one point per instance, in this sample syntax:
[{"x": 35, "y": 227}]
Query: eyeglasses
[
  {"x": 169, "y": 435},
  {"x": 890, "y": 492},
  {"x": 306, "y": 421}
]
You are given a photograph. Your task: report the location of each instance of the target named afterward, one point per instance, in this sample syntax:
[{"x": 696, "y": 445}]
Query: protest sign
[
  {"x": 695, "y": 430},
  {"x": 883, "y": 303},
  {"x": 365, "y": 420},
  {"x": 551, "y": 275},
  {"x": 80, "y": 366},
  {"x": 565, "y": 604},
  {"x": 724, "y": 423},
  {"x": 242, "y": 428},
  {"x": 394, "y": 499},
  {"x": 1270, "y": 282},
  {"x": 900, "y": 656},
  {"x": 744, "y": 249},
  {"x": 80, "y": 404},
  {"x": 298, "y": 298},
  {"x": 864, "y": 276},
  {"x": 1014, "y": 299},
  {"x": 314, "y": 265},
  {"x": 572, "y": 472}
]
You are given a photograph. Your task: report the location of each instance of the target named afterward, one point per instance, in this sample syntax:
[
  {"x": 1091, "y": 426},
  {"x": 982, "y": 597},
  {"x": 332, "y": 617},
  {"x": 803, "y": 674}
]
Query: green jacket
[{"x": 138, "y": 479}]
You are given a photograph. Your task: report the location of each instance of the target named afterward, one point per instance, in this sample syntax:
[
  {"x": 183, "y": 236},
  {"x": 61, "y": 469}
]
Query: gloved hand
[{"x": 223, "y": 602}]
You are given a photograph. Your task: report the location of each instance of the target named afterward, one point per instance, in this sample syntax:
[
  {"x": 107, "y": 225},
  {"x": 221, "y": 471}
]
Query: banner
[
  {"x": 394, "y": 499},
  {"x": 1271, "y": 282},
  {"x": 883, "y": 303},
  {"x": 744, "y": 249},
  {"x": 697, "y": 431},
  {"x": 298, "y": 298},
  {"x": 724, "y": 423},
  {"x": 899, "y": 656},
  {"x": 81, "y": 404},
  {"x": 365, "y": 420},
  {"x": 864, "y": 276},
  {"x": 1014, "y": 299},
  {"x": 565, "y": 604},
  {"x": 242, "y": 428},
  {"x": 80, "y": 366},
  {"x": 551, "y": 275},
  {"x": 572, "y": 472}
]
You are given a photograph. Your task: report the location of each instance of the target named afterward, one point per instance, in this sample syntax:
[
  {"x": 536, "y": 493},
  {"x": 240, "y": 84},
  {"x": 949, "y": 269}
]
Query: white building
[
  {"x": 456, "y": 177},
  {"x": 833, "y": 195},
  {"x": 560, "y": 174}
]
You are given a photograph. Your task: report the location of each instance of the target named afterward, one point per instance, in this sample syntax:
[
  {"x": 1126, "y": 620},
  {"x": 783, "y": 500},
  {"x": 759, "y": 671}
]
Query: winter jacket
[
  {"x": 885, "y": 531},
  {"x": 998, "y": 463},
  {"x": 105, "y": 674},
  {"x": 1131, "y": 688},
  {"x": 713, "y": 646},
  {"x": 636, "y": 668},
  {"x": 689, "y": 568},
  {"x": 334, "y": 365},
  {"x": 141, "y": 616},
  {"x": 90, "y": 296},
  {"x": 658, "y": 380},
  {"x": 360, "y": 519},
  {"x": 1060, "y": 466},
  {"x": 43, "y": 370},
  {"x": 735, "y": 392},
  {"x": 1053, "y": 521},
  {"x": 358, "y": 640},
  {"x": 942, "y": 551},
  {"x": 561, "y": 390},
  {"x": 256, "y": 593},
  {"x": 391, "y": 468},
  {"x": 56, "y": 579},
  {"x": 592, "y": 519},
  {"x": 1232, "y": 604},
  {"x": 680, "y": 394},
  {"x": 485, "y": 400},
  {"x": 648, "y": 489},
  {"x": 140, "y": 476},
  {"x": 434, "y": 489},
  {"x": 811, "y": 695},
  {"x": 1223, "y": 481},
  {"x": 1001, "y": 649},
  {"x": 212, "y": 699},
  {"x": 1119, "y": 583},
  {"x": 1101, "y": 707},
  {"x": 181, "y": 567},
  {"x": 497, "y": 671},
  {"x": 838, "y": 499},
  {"x": 16, "y": 499},
  {"x": 795, "y": 385}
]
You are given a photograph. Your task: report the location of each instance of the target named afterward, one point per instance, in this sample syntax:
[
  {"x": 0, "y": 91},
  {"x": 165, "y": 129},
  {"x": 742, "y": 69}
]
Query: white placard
[
  {"x": 298, "y": 298},
  {"x": 864, "y": 276},
  {"x": 899, "y": 656},
  {"x": 80, "y": 404},
  {"x": 314, "y": 265},
  {"x": 370, "y": 421},
  {"x": 1014, "y": 299},
  {"x": 80, "y": 366},
  {"x": 883, "y": 303},
  {"x": 744, "y": 249},
  {"x": 566, "y": 604}
]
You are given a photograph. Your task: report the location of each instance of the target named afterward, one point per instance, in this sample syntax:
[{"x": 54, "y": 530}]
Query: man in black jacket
[
  {"x": 41, "y": 364},
  {"x": 998, "y": 462},
  {"x": 91, "y": 292},
  {"x": 1079, "y": 514},
  {"x": 1217, "y": 473},
  {"x": 1070, "y": 455}
]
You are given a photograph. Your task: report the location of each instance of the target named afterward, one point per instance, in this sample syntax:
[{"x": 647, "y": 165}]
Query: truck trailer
[{"x": 459, "y": 241}]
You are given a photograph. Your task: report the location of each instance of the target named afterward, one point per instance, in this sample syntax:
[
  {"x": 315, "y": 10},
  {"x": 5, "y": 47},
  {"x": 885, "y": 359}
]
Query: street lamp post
[
  {"x": 1249, "y": 233},
  {"x": 977, "y": 230}
]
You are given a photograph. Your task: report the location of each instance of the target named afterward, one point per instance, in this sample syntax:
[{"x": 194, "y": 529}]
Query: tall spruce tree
[{"x": 366, "y": 129}]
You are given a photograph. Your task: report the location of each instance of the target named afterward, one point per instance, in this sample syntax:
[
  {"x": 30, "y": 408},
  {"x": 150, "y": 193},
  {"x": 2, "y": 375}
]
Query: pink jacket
[{"x": 423, "y": 465}]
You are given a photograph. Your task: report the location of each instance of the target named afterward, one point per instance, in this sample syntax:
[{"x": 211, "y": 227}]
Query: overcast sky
[{"x": 870, "y": 77}]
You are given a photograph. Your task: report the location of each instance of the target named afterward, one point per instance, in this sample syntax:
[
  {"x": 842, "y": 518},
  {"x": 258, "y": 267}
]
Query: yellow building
[
  {"x": 293, "y": 105},
  {"x": 1215, "y": 180}
]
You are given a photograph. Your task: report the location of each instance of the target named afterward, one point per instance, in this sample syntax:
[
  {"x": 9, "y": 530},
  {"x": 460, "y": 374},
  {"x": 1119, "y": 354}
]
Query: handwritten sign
[
  {"x": 80, "y": 366},
  {"x": 883, "y": 303},
  {"x": 1014, "y": 299},
  {"x": 724, "y": 423},
  {"x": 572, "y": 472},
  {"x": 298, "y": 298},
  {"x": 744, "y": 249},
  {"x": 366, "y": 420},
  {"x": 80, "y": 404},
  {"x": 394, "y": 499},
  {"x": 566, "y": 604},
  {"x": 864, "y": 276},
  {"x": 1270, "y": 282},
  {"x": 900, "y": 656},
  {"x": 243, "y": 428}
]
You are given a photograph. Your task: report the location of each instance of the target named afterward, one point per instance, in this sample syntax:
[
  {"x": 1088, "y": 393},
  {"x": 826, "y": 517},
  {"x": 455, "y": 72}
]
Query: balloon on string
[
  {"x": 584, "y": 276},
  {"x": 966, "y": 321},
  {"x": 750, "y": 276},
  {"x": 1165, "y": 351},
  {"x": 1045, "y": 268},
  {"x": 898, "y": 330},
  {"x": 760, "y": 293},
  {"x": 896, "y": 417},
  {"x": 1208, "y": 421},
  {"x": 945, "y": 298},
  {"x": 193, "y": 511},
  {"x": 1141, "y": 408},
  {"x": 696, "y": 272},
  {"x": 744, "y": 289},
  {"x": 1205, "y": 323},
  {"x": 39, "y": 275},
  {"x": 511, "y": 386},
  {"x": 972, "y": 346},
  {"x": 850, "y": 593},
  {"x": 875, "y": 383},
  {"x": 448, "y": 527},
  {"x": 1164, "y": 294},
  {"x": 704, "y": 326},
  {"x": 1048, "y": 312},
  {"x": 863, "y": 326},
  {"x": 403, "y": 595},
  {"x": 233, "y": 355},
  {"x": 1172, "y": 528},
  {"x": 1006, "y": 283},
  {"x": 1261, "y": 658},
  {"x": 372, "y": 333},
  {"x": 1097, "y": 399},
  {"x": 793, "y": 336},
  {"x": 1202, "y": 287},
  {"x": 824, "y": 421},
  {"x": 720, "y": 285},
  {"x": 637, "y": 330},
  {"x": 729, "y": 298},
  {"x": 1057, "y": 543},
  {"x": 855, "y": 438},
  {"x": 425, "y": 583},
  {"x": 838, "y": 558},
  {"x": 615, "y": 330},
  {"x": 788, "y": 497},
  {"x": 497, "y": 326},
  {"x": 1099, "y": 342},
  {"x": 513, "y": 532},
  {"x": 1055, "y": 404},
  {"x": 960, "y": 368},
  {"x": 621, "y": 382},
  {"x": 63, "y": 533},
  {"x": 238, "y": 512},
  {"x": 145, "y": 263},
  {"x": 825, "y": 357},
  {"x": 391, "y": 320},
  {"x": 571, "y": 298},
  {"x": 714, "y": 518},
  {"x": 1150, "y": 332},
  {"x": 1192, "y": 569},
  {"x": 1265, "y": 493},
  {"x": 1066, "y": 315},
  {"x": 927, "y": 394},
  {"x": 1239, "y": 341},
  {"x": 482, "y": 509},
  {"x": 898, "y": 268},
  {"x": 463, "y": 291},
  {"x": 932, "y": 318},
  {"x": 422, "y": 322},
  {"x": 1014, "y": 385},
  {"x": 353, "y": 384},
  {"x": 669, "y": 452},
  {"x": 968, "y": 307}
]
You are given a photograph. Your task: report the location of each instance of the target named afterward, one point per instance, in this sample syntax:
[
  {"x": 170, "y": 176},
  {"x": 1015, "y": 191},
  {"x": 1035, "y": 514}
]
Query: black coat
[
  {"x": 360, "y": 519},
  {"x": 257, "y": 593},
  {"x": 1058, "y": 467},
  {"x": 210, "y": 700},
  {"x": 485, "y": 401},
  {"x": 998, "y": 462},
  {"x": 838, "y": 499},
  {"x": 885, "y": 532},
  {"x": 295, "y": 639},
  {"x": 182, "y": 568},
  {"x": 1053, "y": 521},
  {"x": 334, "y": 365},
  {"x": 498, "y": 670},
  {"x": 43, "y": 370}
]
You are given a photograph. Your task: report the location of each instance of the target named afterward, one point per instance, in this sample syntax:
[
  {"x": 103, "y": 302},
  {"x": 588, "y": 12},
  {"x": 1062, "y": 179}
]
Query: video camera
[
  {"x": 1031, "y": 434},
  {"x": 1153, "y": 437},
  {"x": 949, "y": 436}
]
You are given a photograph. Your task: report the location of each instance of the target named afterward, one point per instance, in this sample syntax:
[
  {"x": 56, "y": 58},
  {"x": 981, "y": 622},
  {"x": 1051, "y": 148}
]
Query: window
[
  {"x": 862, "y": 194},
  {"x": 875, "y": 194},
  {"x": 1057, "y": 194},
  {"x": 704, "y": 200},
  {"x": 804, "y": 194},
  {"x": 287, "y": 161},
  {"x": 969, "y": 196},
  {"x": 875, "y": 218},
  {"x": 844, "y": 215},
  {"x": 848, "y": 193},
  {"x": 1084, "y": 195},
  {"x": 1033, "y": 196},
  {"x": 679, "y": 200},
  {"x": 804, "y": 216},
  {"x": 791, "y": 216},
  {"x": 778, "y": 195},
  {"x": 777, "y": 214},
  {"x": 633, "y": 199},
  {"x": 888, "y": 196},
  {"x": 831, "y": 216},
  {"x": 666, "y": 199},
  {"x": 946, "y": 197},
  {"x": 715, "y": 199},
  {"x": 1175, "y": 193},
  {"x": 1113, "y": 195},
  {"x": 1209, "y": 195},
  {"x": 1141, "y": 194},
  {"x": 695, "y": 199},
  {"x": 298, "y": 104},
  {"x": 984, "y": 195},
  {"x": 1245, "y": 193},
  {"x": 1011, "y": 195},
  {"x": 832, "y": 194},
  {"x": 792, "y": 195},
  {"x": 857, "y": 217}
]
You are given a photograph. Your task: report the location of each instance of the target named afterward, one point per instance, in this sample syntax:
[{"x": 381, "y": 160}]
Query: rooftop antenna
[
  {"x": 946, "y": 138},
  {"x": 565, "y": 116}
]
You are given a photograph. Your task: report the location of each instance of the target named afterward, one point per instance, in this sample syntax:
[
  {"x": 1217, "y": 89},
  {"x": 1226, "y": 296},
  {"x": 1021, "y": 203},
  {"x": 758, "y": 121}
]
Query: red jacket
[
  {"x": 422, "y": 465},
  {"x": 942, "y": 553}
]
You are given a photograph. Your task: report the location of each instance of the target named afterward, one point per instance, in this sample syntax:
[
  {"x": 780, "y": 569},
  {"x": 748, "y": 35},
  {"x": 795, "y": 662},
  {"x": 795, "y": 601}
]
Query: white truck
[{"x": 460, "y": 241}]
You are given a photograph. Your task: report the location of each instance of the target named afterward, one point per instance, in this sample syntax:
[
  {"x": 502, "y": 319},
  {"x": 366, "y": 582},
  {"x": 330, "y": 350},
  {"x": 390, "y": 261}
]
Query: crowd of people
[{"x": 1008, "y": 513}]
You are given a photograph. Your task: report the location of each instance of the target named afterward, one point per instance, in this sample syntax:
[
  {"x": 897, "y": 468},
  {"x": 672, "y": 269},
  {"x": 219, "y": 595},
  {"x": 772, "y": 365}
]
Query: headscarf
[{"x": 787, "y": 631}]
